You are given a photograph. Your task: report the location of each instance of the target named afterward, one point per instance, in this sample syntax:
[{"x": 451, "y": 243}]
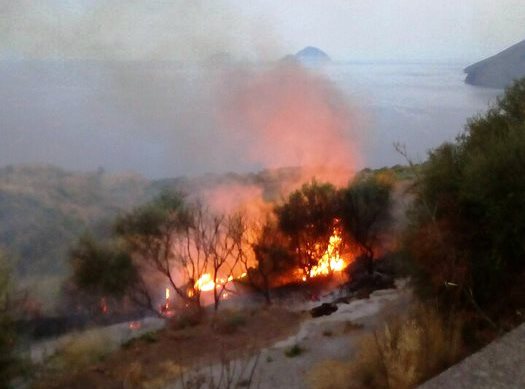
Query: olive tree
[
  {"x": 307, "y": 220},
  {"x": 365, "y": 211}
]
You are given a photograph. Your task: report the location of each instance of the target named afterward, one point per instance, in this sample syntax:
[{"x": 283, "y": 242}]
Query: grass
[
  {"x": 81, "y": 350},
  {"x": 350, "y": 326},
  {"x": 168, "y": 372},
  {"x": 294, "y": 351},
  {"x": 228, "y": 322},
  {"x": 329, "y": 374},
  {"x": 148, "y": 337},
  {"x": 405, "y": 353}
]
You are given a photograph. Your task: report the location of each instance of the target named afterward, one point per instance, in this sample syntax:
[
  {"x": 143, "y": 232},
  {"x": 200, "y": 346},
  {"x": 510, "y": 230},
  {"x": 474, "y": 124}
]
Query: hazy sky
[{"x": 461, "y": 30}]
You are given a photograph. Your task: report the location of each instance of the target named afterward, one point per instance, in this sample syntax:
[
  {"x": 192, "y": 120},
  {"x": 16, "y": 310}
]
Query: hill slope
[{"x": 43, "y": 209}]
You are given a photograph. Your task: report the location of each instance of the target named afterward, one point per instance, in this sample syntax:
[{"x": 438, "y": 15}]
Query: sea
[{"x": 153, "y": 118}]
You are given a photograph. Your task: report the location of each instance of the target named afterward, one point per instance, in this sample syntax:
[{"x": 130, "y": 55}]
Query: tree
[
  {"x": 218, "y": 244},
  {"x": 307, "y": 220},
  {"x": 364, "y": 208},
  {"x": 468, "y": 220},
  {"x": 165, "y": 241},
  {"x": 271, "y": 258}
]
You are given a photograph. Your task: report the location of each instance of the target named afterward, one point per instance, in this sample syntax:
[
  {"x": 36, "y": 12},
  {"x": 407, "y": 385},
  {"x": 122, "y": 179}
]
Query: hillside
[
  {"x": 43, "y": 209},
  {"x": 500, "y": 70}
]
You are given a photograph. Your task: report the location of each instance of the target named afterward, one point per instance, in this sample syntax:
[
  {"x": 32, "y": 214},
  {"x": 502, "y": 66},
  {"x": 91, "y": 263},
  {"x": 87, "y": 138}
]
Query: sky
[{"x": 348, "y": 30}]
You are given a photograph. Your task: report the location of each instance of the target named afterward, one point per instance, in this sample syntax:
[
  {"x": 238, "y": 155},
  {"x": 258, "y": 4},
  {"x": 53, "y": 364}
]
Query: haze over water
[{"x": 127, "y": 116}]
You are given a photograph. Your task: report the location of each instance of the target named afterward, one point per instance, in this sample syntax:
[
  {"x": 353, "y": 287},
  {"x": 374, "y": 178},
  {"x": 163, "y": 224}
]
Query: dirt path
[
  {"x": 286, "y": 363},
  {"x": 159, "y": 356}
]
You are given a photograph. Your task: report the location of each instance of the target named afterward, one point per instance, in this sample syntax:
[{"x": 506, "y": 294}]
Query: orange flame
[
  {"x": 205, "y": 283},
  {"x": 331, "y": 260}
]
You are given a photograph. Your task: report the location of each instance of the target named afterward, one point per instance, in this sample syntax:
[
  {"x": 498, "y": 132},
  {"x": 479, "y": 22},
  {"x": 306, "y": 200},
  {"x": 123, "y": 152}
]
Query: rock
[
  {"x": 324, "y": 309},
  {"x": 500, "y": 70}
]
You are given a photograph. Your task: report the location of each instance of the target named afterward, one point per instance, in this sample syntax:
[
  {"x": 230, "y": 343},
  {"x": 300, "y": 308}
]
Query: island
[{"x": 500, "y": 70}]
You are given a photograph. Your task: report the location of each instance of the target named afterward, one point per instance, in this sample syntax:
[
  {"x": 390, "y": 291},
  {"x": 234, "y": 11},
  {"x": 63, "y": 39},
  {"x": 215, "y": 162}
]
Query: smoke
[
  {"x": 288, "y": 115},
  {"x": 163, "y": 118}
]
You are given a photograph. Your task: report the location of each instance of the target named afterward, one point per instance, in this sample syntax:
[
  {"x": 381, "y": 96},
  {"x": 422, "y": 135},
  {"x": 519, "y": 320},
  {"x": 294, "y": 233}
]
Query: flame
[
  {"x": 166, "y": 306},
  {"x": 205, "y": 283},
  {"x": 331, "y": 260},
  {"x": 104, "y": 306}
]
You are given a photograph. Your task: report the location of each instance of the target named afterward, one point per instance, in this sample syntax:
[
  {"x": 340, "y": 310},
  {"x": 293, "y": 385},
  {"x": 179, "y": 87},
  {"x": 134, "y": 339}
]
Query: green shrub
[
  {"x": 468, "y": 219},
  {"x": 294, "y": 351}
]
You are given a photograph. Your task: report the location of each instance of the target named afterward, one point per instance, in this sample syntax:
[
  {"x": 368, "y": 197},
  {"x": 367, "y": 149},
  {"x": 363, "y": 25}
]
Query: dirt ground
[{"x": 235, "y": 335}]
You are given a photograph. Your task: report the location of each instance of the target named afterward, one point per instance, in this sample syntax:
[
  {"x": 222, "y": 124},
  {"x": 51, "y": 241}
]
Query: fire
[
  {"x": 167, "y": 301},
  {"x": 205, "y": 283},
  {"x": 331, "y": 260}
]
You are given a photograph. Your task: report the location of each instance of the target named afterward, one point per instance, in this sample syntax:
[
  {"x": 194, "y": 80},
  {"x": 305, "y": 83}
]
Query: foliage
[
  {"x": 229, "y": 322},
  {"x": 468, "y": 222},
  {"x": 166, "y": 241},
  {"x": 102, "y": 268},
  {"x": 403, "y": 354},
  {"x": 272, "y": 259},
  {"x": 8, "y": 361},
  {"x": 79, "y": 351},
  {"x": 294, "y": 351},
  {"x": 307, "y": 219},
  {"x": 364, "y": 208}
]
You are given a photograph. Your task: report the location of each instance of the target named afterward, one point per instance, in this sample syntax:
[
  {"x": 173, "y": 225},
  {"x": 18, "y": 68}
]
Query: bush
[
  {"x": 468, "y": 221},
  {"x": 294, "y": 351},
  {"x": 406, "y": 353},
  {"x": 8, "y": 362},
  {"x": 80, "y": 351}
]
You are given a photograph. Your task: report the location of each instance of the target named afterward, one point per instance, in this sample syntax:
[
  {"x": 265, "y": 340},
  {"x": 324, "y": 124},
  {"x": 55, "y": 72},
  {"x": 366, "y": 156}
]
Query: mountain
[
  {"x": 312, "y": 55},
  {"x": 500, "y": 70}
]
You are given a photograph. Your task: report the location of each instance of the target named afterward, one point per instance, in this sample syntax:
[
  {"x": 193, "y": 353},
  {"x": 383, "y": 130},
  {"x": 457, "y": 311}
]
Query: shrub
[
  {"x": 406, "y": 353},
  {"x": 294, "y": 351},
  {"x": 81, "y": 350},
  {"x": 468, "y": 220}
]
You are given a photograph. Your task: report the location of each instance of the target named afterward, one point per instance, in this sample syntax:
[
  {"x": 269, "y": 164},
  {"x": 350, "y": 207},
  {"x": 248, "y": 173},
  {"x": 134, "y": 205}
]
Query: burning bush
[{"x": 307, "y": 219}]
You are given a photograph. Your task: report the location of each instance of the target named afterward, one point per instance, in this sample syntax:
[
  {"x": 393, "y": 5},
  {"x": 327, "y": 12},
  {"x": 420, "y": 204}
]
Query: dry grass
[
  {"x": 406, "y": 353},
  {"x": 228, "y": 322},
  {"x": 81, "y": 350},
  {"x": 329, "y": 374},
  {"x": 167, "y": 373},
  {"x": 401, "y": 355}
]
